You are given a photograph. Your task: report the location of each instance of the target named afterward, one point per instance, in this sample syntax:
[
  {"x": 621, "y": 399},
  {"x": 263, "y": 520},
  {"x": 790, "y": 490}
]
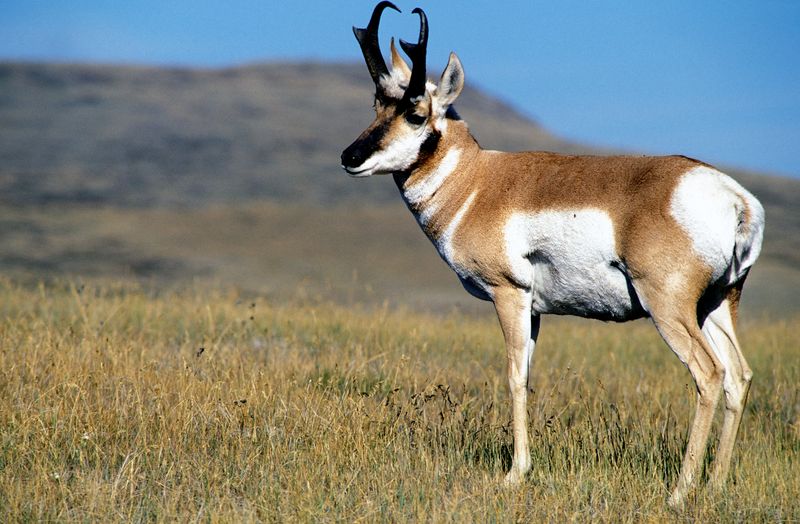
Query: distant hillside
[
  {"x": 234, "y": 173},
  {"x": 154, "y": 136}
]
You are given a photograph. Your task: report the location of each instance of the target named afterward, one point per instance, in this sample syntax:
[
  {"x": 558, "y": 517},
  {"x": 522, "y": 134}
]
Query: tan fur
[
  {"x": 486, "y": 188},
  {"x": 506, "y": 183},
  {"x": 398, "y": 64},
  {"x": 636, "y": 193}
]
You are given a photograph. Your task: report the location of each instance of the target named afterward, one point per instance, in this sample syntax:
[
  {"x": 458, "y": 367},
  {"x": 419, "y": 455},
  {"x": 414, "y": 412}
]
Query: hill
[
  {"x": 166, "y": 136},
  {"x": 233, "y": 174}
]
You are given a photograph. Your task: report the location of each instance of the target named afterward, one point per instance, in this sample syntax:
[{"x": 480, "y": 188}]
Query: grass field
[
  {"x": 261, "y": 338},
  {"x": 121, "y": 403}
]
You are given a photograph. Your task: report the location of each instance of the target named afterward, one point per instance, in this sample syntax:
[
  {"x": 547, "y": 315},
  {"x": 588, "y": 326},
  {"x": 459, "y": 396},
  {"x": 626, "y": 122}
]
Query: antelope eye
[{"x": 415, "y": 119}]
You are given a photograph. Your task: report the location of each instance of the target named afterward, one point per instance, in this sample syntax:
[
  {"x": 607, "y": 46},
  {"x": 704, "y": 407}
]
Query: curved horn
[
  {"x": 368, "y": 40},
  {"x": 416, "y": 52}
]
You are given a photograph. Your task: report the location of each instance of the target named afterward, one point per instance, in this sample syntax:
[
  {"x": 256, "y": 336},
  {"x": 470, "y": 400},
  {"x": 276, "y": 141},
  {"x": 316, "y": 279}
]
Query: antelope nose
[{"x": 352, "y": 156}]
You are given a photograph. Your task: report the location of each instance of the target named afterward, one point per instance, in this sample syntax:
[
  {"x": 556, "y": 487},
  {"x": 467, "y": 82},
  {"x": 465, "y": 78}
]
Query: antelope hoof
[
  {"x": 676, "y": 501},
  {"x": 514, "y": 478}
]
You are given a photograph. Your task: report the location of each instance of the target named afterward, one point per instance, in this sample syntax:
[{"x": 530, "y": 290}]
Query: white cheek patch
[{"x": 400, "y": 154}]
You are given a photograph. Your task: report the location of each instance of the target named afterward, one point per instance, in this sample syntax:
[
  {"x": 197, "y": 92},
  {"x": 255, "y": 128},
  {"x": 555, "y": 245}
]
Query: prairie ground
[
  {"x": 254, "y": 373},
  {"x": 359, "y": 253},
  {"x": 119, "y": 403}
]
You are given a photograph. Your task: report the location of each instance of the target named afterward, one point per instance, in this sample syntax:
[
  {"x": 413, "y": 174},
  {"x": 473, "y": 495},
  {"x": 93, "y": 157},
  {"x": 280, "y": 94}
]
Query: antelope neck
[{"x": 438, "y": 184}]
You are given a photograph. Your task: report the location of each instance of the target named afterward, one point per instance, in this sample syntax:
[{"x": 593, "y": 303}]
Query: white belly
[{"x": 569, "y": 260}]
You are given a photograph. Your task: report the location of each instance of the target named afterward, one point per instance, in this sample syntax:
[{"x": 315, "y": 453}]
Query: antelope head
[{"x": 410, "y": 112}]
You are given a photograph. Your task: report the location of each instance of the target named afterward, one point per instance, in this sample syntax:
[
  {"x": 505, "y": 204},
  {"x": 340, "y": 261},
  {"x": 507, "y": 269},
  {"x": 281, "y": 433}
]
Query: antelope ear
[
  {"x": 451, "y": 83},
  {"x": 399, "y": 66}
]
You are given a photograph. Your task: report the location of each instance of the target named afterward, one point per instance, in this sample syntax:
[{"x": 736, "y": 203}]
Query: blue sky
[{"x": 717, "y": 80}]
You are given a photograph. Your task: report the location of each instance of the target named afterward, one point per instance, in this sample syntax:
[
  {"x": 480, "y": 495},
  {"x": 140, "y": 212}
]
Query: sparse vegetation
[
  {"x": 188, "y": 398},
  {"x": 122, "y": 403}
]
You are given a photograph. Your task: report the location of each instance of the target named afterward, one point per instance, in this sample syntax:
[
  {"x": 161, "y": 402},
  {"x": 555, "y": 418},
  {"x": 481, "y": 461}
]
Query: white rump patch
[{"x": 708, "y": 205}]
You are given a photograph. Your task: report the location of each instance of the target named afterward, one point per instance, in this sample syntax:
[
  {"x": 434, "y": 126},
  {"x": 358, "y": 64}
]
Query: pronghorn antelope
[{"x": 612, "y": 238}]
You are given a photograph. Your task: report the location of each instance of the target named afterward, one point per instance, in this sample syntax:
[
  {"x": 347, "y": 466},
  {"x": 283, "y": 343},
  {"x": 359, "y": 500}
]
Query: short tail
[{"x": 749, "y": 235}]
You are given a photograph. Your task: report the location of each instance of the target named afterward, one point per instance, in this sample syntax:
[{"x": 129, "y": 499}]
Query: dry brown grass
[{"x": 110, "y": 411}]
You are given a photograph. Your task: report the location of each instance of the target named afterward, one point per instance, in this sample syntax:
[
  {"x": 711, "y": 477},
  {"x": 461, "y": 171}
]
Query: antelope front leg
[{"x": 514, "y": 311}]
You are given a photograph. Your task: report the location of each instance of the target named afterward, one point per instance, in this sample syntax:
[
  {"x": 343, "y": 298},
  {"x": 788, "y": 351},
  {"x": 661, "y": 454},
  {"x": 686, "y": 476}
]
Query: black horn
[
  {"x": 416, "y": 52},
  {"x": 368, "y": 40}
]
